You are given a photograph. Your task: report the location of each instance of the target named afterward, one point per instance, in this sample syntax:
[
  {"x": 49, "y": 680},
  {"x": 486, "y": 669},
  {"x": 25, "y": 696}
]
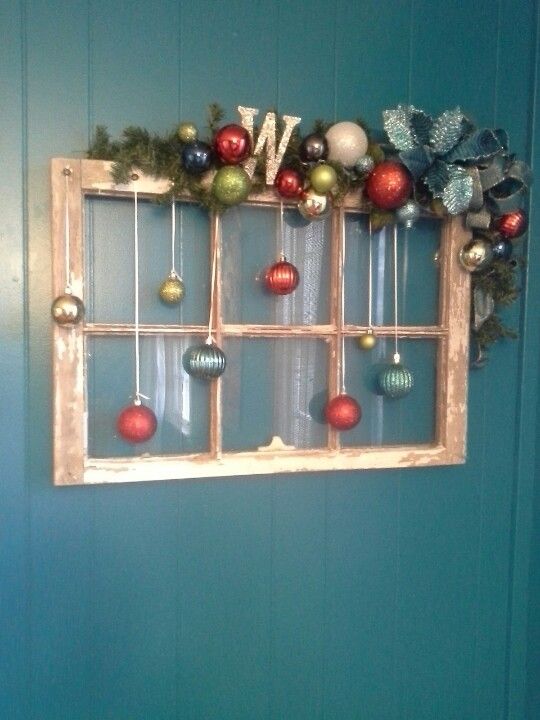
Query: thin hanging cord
[
  {"x": 396, "y": 351},
  {"x": 281, "y": 232},
  {"x": 136, "y": 283},
  {"x": 67, "y": 173},
  {"x": 370, "y": 280},
  {"x": 209, "y": 339},
  {"x": 181, "y": 241},
  {"x": 342, "y": 313},
  {"x": 173, "y": 237}
]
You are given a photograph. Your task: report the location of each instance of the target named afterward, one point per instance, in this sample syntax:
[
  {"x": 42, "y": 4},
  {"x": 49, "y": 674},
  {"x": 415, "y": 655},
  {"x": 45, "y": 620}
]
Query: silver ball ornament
[
  {"x": 314, "y": 206},
  {"x": 408, "y": 214},
  {"x": 364, "y": 165}
]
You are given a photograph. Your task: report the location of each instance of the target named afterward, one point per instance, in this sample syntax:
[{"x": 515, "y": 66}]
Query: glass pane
[
  {"x": 251, "y": 243},
  {"x": 270, "y": 388},
  {"x": 418, "y": 273},
  {"x": 109, "y": 261},
  {"x": 180, "y": 402},
  {"x": 392, "y": 421}
]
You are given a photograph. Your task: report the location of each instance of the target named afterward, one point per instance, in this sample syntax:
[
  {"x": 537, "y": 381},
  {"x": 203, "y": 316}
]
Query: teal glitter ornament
[
  {"x": 395, "y": 380},
  {"x": 205, "y": 362}
]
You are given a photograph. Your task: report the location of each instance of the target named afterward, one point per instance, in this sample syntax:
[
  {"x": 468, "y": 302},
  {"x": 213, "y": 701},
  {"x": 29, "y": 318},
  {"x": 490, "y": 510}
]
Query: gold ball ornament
[
  {"x": 231, "y": 185},
  {"x": 476, "y": 254},
  {"x": 187, "y": 132},
  {"x": 172, "y": 290},
  {"x": 322, "y": 178},
  {"x": 313, "y": 205},
  {"x": 366, "y": 341},
  {"x": 67, "y": 309}
]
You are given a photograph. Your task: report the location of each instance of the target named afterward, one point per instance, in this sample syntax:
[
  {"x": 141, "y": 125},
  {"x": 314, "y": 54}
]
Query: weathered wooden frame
[{"x": 70, "y": 457}]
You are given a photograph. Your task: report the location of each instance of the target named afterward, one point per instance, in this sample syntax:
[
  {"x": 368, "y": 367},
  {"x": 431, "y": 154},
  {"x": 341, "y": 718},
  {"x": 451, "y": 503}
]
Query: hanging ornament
[
  {"x": 197, "y": 157},
  {"x": 368, "y": 340},
  {"x": 513, "y": 224},
  {"x": 313, "y": 148},
  {"x": 395, "y": 381},
  {"x": 347, "y": 143},
  {"x": 289, "y": 183},
  {"x": 172, "y": 289},
  {"x": 389, "y": 185},
  {"x": 67, "y": 309},
  {"x": 322, "y": 178},
  {"x": 281, "y": 278},
  {"x": 232, "y": 144},
  {"x": 136, "y": 423},
  {"x": 343, "y": 412},
  {"x": 231, "y": 185},
  {"x": 187, "y": 132},
  {"x": 502, "y": 249},
  {"x": 408, "y": 214},
  {"x": 205, "y": 362},
  {"x": 314, "y": 206},
  {"x": 364, "y": 165},
  {"x": 476, "y": 254}
]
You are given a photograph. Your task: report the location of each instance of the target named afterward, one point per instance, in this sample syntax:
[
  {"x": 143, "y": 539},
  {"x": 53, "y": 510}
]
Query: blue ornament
[
  {"x": 502, "y": 249},
  {"x": 205, "y": 361},
  {"x": 395, "y": 381},
  {"x": 197, "y": 157}
]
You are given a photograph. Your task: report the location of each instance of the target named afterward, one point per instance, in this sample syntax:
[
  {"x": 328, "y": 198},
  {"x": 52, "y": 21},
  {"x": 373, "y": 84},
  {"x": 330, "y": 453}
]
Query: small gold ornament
[
  {"x": 323, "y": 177},
  {"x": 476, "y": 254},
  {"x": 187, "y": 132},
  {"x": 172, "y": 290},
  {"x": 367, "y": 341},
  {"x": 67, "y": 309}
]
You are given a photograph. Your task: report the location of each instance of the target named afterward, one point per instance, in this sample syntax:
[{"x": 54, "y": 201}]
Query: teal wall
[{"x": 381, "y": 596}]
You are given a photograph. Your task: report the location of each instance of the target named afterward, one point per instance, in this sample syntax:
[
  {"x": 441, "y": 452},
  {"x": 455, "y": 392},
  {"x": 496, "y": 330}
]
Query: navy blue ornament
[
  {"x": 502, "y": 249},
  {"x": 205, "y": 362},
  {"x": 197, "y": 157}
]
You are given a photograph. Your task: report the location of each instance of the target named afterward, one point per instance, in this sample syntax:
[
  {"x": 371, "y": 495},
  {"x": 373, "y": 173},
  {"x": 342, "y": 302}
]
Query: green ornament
[
  {"x": 231, "y": 185},
  {"x": 322, "y": 178},
  {"x": 187, "y": 132},
  {"x": 395, "y": 381}
]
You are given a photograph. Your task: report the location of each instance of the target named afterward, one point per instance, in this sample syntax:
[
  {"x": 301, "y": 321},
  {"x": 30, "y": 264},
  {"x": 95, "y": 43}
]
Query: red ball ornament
[
  {"x": 136, "y": 423},
  {"x": 289, "y": 183},
  {"x": 281, "y": 278},
  {"x": 513, "y": 224},
  {"x": 389, "y": 185},
  {"x": 232, "y": 144},
  {"x": 343, "y": 412}
]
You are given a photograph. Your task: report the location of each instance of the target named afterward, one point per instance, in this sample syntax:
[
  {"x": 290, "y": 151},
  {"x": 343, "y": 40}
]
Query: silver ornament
[
  {"x": 476, "y": 254},
  {"x": 364, "y": 165},
  {"x": 408, "y": 214},
  {"x": 313, "y": 206}
]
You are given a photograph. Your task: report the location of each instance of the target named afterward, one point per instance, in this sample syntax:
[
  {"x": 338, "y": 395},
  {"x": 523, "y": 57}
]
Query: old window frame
[{"x": 71, "y": 464}]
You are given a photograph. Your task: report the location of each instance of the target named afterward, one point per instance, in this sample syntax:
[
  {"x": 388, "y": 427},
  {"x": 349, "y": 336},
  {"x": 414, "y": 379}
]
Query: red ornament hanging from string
[
  {"x": 343, "y": 412},
  {"x": 136, "y": 423},
  {"x": 281, "y": 278}
]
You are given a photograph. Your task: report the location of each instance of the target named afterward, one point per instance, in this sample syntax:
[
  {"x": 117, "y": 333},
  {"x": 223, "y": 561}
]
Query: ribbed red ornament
[
  {"x": 281, "y": 278},
  {"x": 136, "y": 423},
  {"x": 389, "y": 185},
  {"x": 289, "y": 183},
  {"x": 513, "y": 224},
  {"x": 232, "y": 144},
  {"x": 343, "y": 412}
]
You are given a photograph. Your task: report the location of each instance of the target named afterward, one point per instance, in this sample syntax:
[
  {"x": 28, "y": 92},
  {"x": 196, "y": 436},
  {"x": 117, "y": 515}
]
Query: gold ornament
[
  {"x": 187, "y": 132},
  {"x": 67, "y": 309},
  {"x": 366, "y": 341},
  {"x": 313, "y": 206},
  {"x": 172, "y": 290},
  {"x": 267, "y": 136},
  {"x": 476, "y": 254},
  {"x": 323, "y": 177}
]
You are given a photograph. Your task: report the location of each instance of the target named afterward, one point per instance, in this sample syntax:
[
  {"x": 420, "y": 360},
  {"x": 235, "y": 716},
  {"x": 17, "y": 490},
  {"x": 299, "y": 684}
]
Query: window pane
[
  {"x": 418, "y": 274},
  {"x": 251, "y": 243},
  {"x": 109, "y": 248},
  {"x": 387, "y": 421},
  {"x": 270, "y": 388},
  {"x": 180, "y": 402}
]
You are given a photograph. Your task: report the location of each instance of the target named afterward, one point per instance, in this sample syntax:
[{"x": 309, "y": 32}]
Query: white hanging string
[
  {"x": 370, "y": 280},
  {"x": 209, "y": 339},
  {"x": 67, "y": 173},
  {"x": 281, "y": 233},
  {"x": 173, "y": 238},
  {"x": 342, "y": 312},
  {"x": 396, "y": 351},
  {"x": 181, "y": 245},
  {"x": 136, "y": 288}
]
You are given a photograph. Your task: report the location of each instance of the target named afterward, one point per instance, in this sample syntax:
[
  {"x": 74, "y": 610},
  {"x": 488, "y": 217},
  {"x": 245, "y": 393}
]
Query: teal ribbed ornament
[
  {"x": 395, "y": 381},
  {"x": 205, "y": 362}
]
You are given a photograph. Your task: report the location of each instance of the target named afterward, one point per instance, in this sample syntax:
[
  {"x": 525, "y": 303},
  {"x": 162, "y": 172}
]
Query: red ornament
[
  {"x": 289, "y": 183},
  {"x": 281, "y": 278},
  {"x": 136, "y": 423},
  {"x": 389, "y": 185},
  {"x": 513, "y": 224},
  {"x": 232, "y": 144},
  {"x": 342, "y": 412}
]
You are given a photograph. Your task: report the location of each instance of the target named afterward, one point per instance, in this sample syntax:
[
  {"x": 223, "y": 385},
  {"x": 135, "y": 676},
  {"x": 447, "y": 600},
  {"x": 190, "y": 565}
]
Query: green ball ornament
[
  {"x": 395, "y": 381},
  {"x": 322, "y": 178},
  {"x": 204, "y": 362},
  {"x": 231, "y": 185},
  {"x": 187, "y": 132},
  {"x": 172, "y": 290}
]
